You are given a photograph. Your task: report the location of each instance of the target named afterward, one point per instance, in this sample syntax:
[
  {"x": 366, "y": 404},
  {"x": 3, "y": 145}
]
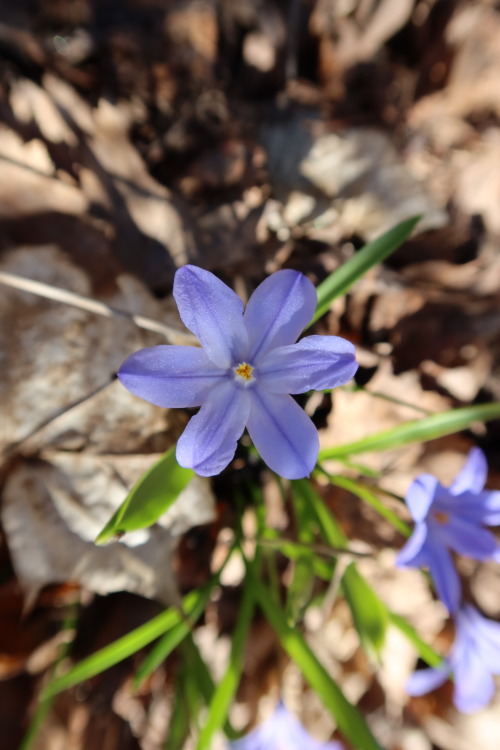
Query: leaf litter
[{"x": 134, "y": 144}]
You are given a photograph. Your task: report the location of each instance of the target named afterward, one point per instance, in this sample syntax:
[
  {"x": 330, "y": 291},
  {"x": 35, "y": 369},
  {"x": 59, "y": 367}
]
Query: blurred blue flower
[
  {"x": 451, "y": 518},
  {"x": 473, "y": 659},
  {"x": 242, "y": 376},
  {"x": 281, "y": 731}
]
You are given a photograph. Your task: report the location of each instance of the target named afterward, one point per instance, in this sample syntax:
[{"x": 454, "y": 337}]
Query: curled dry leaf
[
  {"x": 344, "y": 183},
  {"x": 55, "y": 355},
  {"x": 53, "y": 508},
  {"x": 110, "y": 170},
  {"x": 28, "y": 184}
]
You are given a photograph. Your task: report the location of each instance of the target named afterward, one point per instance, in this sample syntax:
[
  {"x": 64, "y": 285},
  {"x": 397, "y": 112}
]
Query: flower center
[
  {"x": 441, "y": 517},
  {"x": 244, "y": 373}
]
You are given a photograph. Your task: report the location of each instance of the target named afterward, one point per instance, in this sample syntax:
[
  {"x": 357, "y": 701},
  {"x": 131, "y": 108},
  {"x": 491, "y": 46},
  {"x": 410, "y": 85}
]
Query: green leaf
[
  {"x": 417, "y": 431},
  {"x": 350, "y": 722},
  {"x": 332, "y": 534},
  {"x": 185, "y": 705},
  {"x": 201, "y": 679},
  {"x": 160, "y": 652},
  {"x": 425, "y": 651},
  {"x": 371, "y": 499},
  {"x": 126, "y": 645},
  {"x": 226, "y": 689},
  {"x": 341, "y": 280},
  {"x": 149, "y": 498},
  {"x": 301, "y": 585},
  {"x": 320, "y": 567},
  {"x": 45, "y": 703},
  {"x": 368, "y": 612},
  {"x": 170, "y": 640},
  {"x": 329, "y": 528}
]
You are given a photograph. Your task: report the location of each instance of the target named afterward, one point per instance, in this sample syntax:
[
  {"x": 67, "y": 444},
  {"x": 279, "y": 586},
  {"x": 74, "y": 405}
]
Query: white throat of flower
[{"x": 243, "y": 374}]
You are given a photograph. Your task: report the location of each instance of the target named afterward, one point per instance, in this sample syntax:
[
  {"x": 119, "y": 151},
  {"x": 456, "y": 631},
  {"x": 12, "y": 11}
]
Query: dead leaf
[
  {"x": 55, "y": 355},
  {"x": 478, "y": 189},
  {"x": 28, "y": 184},
  {"x": 347, "y": 183},
  {"x": 53, "y": 509}
]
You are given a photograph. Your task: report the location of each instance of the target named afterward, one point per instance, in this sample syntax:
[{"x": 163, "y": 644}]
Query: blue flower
[
  {"x": 473, "y": 659},
  {"x": 242, "y": 376},
  {"x": 281, "y": 731},
  {"x": 451, "y": 518}
]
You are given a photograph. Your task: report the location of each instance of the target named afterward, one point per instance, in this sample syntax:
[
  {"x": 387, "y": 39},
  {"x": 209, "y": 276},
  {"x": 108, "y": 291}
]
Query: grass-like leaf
[
  {"x": 371, "y": 499},
  {"x": 334, "y": 536},
  {"x": 185, "y": 705},
  {"x": 368, "y": 612},
  {"x": 149, "y": 498},
  {"x": 320, "y": 567},
  {"x": 328, "y": 526},
  {"x": 170, "y": 640},
  {"x": 425, "y": 651},
  {"x": 201, "y": 679},
  {"x": 341, "y": 280},
  {"x": 128, "y": 644},
  {"x": 226, "y": 689},
  {"x": 417, "y": 431},
  {"x": 45, "y": 703},
  {"x": 350, "y": 721},
  {"x": 301, "y": 585}
]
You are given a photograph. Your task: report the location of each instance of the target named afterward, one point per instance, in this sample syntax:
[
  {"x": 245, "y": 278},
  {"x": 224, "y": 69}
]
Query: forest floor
[{"x": 242, "y": 136}]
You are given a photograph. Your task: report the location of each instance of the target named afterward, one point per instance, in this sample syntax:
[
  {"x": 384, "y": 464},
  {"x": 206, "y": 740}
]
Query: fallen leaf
[
  {"x": 337, "y": 184},
  {"x": 53, "y": 508}
]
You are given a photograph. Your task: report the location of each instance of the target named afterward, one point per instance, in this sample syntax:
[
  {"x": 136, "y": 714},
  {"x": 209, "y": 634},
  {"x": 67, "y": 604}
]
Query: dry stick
[
  {"x": 318, "y": 549},
  {"x": 12, "y": 447},
  {"x": 91, "y": 305}
]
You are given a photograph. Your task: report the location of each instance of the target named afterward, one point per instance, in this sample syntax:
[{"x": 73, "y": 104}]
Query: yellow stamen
[
  {"x": 244, "y": 371},
  {"x": 441, "y": 517}
]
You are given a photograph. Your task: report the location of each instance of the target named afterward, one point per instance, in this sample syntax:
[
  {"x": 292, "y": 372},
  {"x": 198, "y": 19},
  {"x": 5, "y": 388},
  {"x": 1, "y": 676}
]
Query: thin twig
[
  {"x": 12, "y": 447},
  {"x": 318, "y": 549},
  {"x": 91, "y": 305}
]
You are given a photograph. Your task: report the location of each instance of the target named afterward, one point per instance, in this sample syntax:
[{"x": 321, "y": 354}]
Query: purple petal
[
  {"x": 443, "y": 573},
  {"x": 413, "y": 554},
  {"x": 424, "y": 680},
  {"x": 489, "y": 503},
  {"x": 481, "y": 507},
  {"x": 315, "y": 362},
  {"x": 208, "y": 443},
  {"x": 278, "y": 311},
  {"x": 213, "y": 312},
  {"x": 474, "y": 688},
  {"x": 474, "y": 685},
  {"x": 485, "y": 633},
  {"x": 281, "y": 730},
  {"x": 468, "y": 539},
  {"x": 420, "y": 496},
  {"x": 170, "y": 376},
  {"x": 473, "y": 475},
  {"x": 283, "y": 434}
]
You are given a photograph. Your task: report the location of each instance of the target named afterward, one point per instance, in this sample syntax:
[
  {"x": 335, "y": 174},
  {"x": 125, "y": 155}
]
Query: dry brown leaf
[
  {"x": 472, "y": 86},
  {"x": 352, "y": 32},
  {"x": 340, "y": 184},
  {"x": 478, "y": 175},
  {"x": 53, "y": 509},
  {"x": 28, "y": 184},
  {"x": 358, "y": 414},
  {"x": 55, "y": 355}
]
